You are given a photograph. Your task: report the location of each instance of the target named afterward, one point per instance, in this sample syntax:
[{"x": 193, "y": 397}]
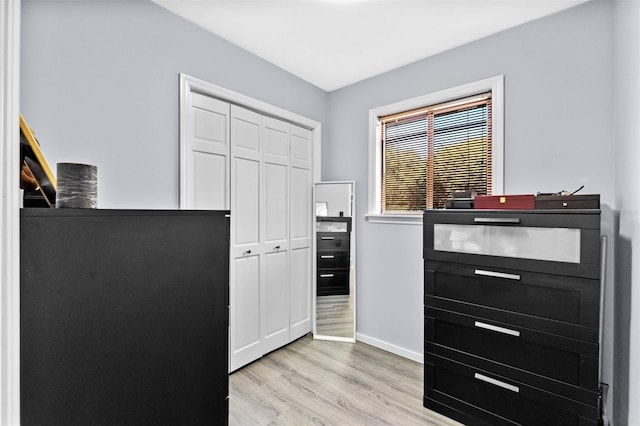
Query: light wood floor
[
  {"x": 330, "y": 383},
  {"x": 335, "y": 316}
]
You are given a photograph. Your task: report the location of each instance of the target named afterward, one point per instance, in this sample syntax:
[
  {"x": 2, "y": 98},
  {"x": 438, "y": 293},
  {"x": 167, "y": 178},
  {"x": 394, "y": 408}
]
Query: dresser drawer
[
  {"x": 332, "y": 241},
  {"x": 546, "y": 358},
  {"x": 559, "y": 298},
  {"x": 332, "y": 282},
  {"x": 338, "y": 259},
  {"x": 496, "y": 400},
  {"x": 560, "y": 243}
]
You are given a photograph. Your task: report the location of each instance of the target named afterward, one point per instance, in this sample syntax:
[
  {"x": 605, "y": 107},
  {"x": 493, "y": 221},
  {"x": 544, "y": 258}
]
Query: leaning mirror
[{"x": 335, "y": 289}]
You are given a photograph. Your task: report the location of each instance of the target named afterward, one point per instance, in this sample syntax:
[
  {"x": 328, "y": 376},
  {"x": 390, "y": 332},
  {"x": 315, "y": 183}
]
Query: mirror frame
[{"x": 352, "y": 261}]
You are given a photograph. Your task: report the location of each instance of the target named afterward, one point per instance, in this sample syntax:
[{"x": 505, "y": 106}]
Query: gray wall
[
  {"x": 99, "y": 85},
  {"x": 627, "y": 174},
  {"x": 558, "y": 135}
]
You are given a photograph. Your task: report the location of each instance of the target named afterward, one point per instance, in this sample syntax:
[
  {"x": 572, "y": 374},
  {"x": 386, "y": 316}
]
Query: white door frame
[
  {"x": 10, "y": 213},
  {"x": 190, "y": 84}
]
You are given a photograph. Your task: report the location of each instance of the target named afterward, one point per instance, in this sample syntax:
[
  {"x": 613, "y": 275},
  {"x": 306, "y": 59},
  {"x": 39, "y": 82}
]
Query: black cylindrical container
[{"x": 77, "y": 186}]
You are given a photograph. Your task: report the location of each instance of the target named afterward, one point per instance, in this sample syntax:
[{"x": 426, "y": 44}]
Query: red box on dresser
[{"x": 505, "y": 202}]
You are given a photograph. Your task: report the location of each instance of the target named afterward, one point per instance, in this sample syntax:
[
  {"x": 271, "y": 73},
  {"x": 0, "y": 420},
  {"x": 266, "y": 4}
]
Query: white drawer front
[{"x": 554, "y": 244}]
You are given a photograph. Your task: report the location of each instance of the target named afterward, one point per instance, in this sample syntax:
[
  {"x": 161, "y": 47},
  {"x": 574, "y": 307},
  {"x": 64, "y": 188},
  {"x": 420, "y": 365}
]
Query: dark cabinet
[
  {"x": 512, "y": 309},
  {"x": 124, "y": 317},
  {"x": 333, "y": 242}
]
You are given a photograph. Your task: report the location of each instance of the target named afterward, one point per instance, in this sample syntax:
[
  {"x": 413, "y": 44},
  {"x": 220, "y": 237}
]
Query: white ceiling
[{"x": 334, "y": 43}]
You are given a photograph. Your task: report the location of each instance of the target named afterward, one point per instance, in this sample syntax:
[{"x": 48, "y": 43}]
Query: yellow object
[{"x": 28, "y": 134}]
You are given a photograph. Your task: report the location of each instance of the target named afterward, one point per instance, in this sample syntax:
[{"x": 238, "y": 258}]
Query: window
[
  {"x": 428, "y": 147},
  {"x": 430, "y": 152}
]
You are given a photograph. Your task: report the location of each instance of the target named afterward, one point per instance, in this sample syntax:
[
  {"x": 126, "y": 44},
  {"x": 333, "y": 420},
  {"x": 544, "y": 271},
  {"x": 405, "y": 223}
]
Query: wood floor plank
[
  {"x": 335, "y": 316},
  {"x": 316, "y": 382}
]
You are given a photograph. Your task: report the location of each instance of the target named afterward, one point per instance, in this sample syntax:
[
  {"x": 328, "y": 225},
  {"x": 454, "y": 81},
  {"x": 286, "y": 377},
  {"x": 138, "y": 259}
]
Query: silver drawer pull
[
  {"x": 497, "y": 274},
  {"x": 326, "y": 275},
  {"x": 497, "y": 329},
  {"x": 496, "y": 220},
  {"x": 327, "y": 257},
  {"x": 327, "y": 238},
  {"x": 495, "y": 382}
]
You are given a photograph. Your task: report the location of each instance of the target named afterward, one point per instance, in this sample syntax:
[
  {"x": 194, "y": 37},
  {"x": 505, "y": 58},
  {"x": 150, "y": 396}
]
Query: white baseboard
[{"x": 389, "y": 347}]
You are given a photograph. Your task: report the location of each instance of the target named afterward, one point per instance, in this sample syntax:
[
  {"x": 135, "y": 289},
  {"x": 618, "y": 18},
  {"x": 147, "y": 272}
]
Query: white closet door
[
  {"x": 260, "y": 169},
  {"x": 301, "y": 233},
  {"x": 275, "y": 233},
  {"x": 208, "y": 153},
  {"x": 245, "y": 330}
]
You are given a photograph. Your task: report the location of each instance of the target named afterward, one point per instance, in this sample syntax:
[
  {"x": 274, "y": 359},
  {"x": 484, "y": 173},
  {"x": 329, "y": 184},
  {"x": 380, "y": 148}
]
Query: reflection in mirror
[{"x": 335, "y": 262}]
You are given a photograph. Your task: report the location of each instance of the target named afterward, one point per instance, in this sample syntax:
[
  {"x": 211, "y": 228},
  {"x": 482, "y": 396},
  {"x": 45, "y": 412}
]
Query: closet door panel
[
  {"x": 300, "y": 210},
  {"x": 275, "y": 301},
  {"x": 300, "y": 233},
  {"x": 211, "y": 118},
  {"x": 275, "y": 138},
  {"x": 207, "y": 153},
  {"x": 246, "y": 205},
  {"x": 300, "y": 187},
  {"x": 275, "y": 237},
  {"x": 208, "y": 171},
  {"x": 301, "y": 147},
  {"x": 275, "y": 214},
  {"x": 300, "y": 310},
  {"x": 245, "y": 334},
  {"x": 246, "y": 250},
  {"x": 275, "y": 175},
  {"x": 246, "y": 185},
  {"x": 246, "y": 134}
]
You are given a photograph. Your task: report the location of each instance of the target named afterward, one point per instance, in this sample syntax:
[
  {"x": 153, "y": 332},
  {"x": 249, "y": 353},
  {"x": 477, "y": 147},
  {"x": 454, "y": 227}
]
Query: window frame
[{"x": 494, "y": 84}]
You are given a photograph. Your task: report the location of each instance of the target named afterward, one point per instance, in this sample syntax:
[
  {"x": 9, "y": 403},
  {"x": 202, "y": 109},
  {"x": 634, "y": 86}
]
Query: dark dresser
[
  {"x": 333, "y": 255},
  {"x": 124, "y": 317},
  {"x": 512, "y": 316}
]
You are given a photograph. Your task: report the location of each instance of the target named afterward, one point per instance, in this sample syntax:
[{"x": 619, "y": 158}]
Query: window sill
[{"x": 397, "y": 219}]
